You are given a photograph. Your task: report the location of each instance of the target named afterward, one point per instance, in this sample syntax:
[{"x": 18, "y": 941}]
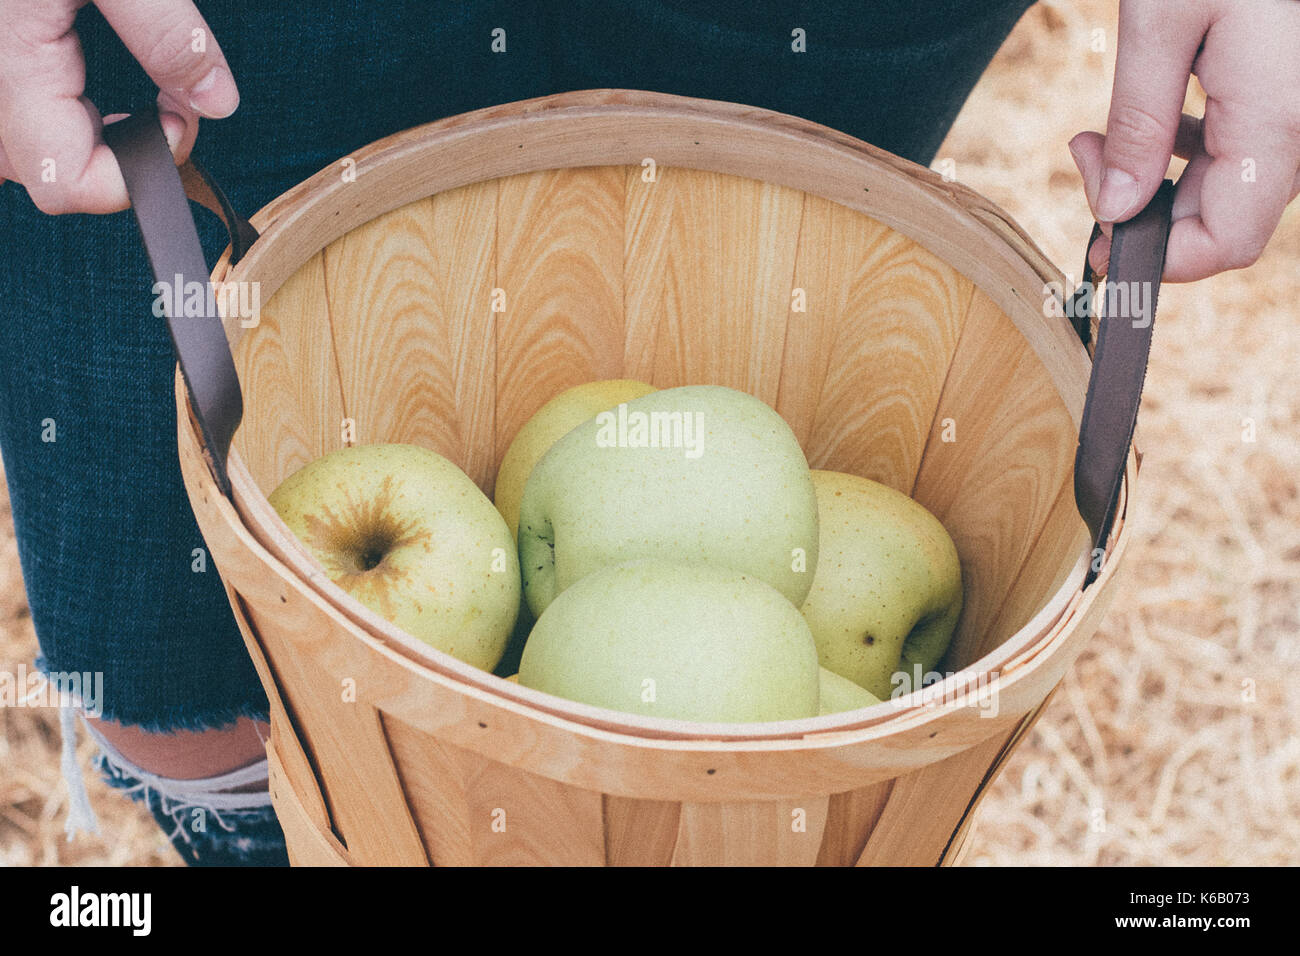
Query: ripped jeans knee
[{"x": 224, "y": 820}]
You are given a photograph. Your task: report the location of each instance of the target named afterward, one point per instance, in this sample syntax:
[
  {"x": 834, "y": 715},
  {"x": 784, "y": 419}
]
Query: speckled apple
[
  {"x": 680, "y": 641},
  {"x": 714, "y": 477},
  {"x": 410, "y": 536},
  {"x": 887, "y": 593}
]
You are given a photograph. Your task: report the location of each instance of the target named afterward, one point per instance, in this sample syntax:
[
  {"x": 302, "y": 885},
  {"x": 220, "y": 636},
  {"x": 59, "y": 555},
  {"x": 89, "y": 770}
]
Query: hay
[{"x": 1176, "y": 737}]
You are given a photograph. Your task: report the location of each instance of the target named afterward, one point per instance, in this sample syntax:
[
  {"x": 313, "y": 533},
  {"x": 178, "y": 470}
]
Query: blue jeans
[{"x": 109, "y": 548}]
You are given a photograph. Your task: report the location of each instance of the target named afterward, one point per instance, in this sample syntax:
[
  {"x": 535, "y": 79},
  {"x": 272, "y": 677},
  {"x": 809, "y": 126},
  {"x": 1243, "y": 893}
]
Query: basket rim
[{"x": 253, "y": 512}]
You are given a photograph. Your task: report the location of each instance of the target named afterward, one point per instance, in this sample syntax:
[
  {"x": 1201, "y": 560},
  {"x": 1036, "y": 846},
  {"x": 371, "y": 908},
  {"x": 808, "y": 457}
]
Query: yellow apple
[
  {"x": 553, "y": 421},
  {"x": 887, "y": 590},
  {"x": 410, "y": 536}
]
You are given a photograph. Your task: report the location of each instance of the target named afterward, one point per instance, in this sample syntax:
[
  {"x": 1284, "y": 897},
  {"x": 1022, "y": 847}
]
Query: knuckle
[
  {"x": 1240, "y": 254},
  {"x": 171, "y": 52},
  {"x": 1133, "y": 127}
]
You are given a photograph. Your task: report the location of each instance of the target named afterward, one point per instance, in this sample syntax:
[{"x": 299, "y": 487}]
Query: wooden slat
[
  {"x": 295, "y": 766},
  {"x": 751, "y": 834},
  {"x": 850, "y": 818},
  {"x": 709, "y": 258},
  {"x": 348, "y": 747},
  {"x": 926, "y": 806},
  {"x": 286, "y": 362},
  {"x": 411, "y": 300},
  {"x": 560, "y": 265},
  {"x": 1062, "y": 538},
  {"x": 432, "y": 779},
  {"x": 959, "y": 845},
  {"x": 307, "y": 843},
  {"x": 995, "y": 485},
  {"x": 474, "y": 811},
  {"x": 864, "y": 366},
  {"x": 640, "y": 832}
]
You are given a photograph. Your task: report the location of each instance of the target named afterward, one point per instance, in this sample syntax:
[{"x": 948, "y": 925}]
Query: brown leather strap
[
  {"x": 179, "y": 268},
  {"x": 1119, "y": 363}
]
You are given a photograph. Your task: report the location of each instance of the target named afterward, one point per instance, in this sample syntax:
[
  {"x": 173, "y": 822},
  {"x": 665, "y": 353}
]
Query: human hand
[
  {"x": 50, "y": 134},
  {"x": 1244, "y": 155}
]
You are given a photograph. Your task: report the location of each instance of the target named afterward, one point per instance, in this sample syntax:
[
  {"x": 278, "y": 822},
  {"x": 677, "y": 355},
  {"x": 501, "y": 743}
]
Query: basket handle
[
  {"x": 158, "y": 191},
  {"x": 1119, "y": 362}
]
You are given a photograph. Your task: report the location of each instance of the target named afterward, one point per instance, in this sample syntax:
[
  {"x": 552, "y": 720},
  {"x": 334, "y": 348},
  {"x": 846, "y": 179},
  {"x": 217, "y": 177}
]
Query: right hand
[{"x": 50, "y": 134}]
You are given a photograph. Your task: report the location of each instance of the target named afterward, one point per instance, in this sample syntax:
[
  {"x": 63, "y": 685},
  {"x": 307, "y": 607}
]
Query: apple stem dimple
[{"x": 370, "y": 558}]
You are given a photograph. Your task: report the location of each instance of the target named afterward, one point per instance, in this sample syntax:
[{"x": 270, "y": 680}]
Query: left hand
[{"x": 1243, "y": 156}]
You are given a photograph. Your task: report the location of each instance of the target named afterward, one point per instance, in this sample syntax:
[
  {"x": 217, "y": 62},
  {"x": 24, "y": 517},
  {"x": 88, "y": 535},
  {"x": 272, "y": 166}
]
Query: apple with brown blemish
[
  {"x": 410, "y": 536},
  {"x": 887, "y": 592}
]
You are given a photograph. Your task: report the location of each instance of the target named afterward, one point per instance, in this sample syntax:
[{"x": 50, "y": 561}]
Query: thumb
[
  {"x": 1153, "y": 62},
  {"x": 172, "y": 42}
]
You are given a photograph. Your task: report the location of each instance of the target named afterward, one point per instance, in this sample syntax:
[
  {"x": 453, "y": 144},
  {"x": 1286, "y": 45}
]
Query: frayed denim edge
[
  {"x": 173, "y": 719},
  {"x": 239, "y": 837}
]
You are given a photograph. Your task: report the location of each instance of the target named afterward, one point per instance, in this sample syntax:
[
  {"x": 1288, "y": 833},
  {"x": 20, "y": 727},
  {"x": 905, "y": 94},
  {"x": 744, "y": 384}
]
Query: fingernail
[
  {"x": 173, "y": 128},
  {"x": 1075, "y": 156},
  {"x": 215, "y": 96},
  {"x": 1117, "y": 196}
]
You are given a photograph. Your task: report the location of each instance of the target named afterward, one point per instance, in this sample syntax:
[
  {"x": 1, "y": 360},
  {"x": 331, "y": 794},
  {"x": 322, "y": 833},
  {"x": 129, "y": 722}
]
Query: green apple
[
  {"x": 700, "y": 474},
  {"x": 690, "y": 642},
  {"x": 839, "y": 694},
  {"x": 410, "y": 536},
  {"x": 887, "y": 591},
  {"x": 553, "y": 421}
]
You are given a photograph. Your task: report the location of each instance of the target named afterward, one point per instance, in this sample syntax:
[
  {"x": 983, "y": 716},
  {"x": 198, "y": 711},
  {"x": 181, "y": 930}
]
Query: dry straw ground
[{"x": 1176, "y": 737}]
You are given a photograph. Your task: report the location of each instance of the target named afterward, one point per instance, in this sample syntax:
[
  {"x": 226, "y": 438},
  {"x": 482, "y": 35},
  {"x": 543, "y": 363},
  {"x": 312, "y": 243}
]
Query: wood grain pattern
[
  {"x": 640, "y": 832},
  {"x": 708, "y": 263},
  {"x": 560, "y": 264},
  {"x": 864, "y": 367},
  {"x": 766, "y": 833},
  {"x": 1042, "y": 572},
  {"x": 414, "y": 331},
  {"x": 995, "y": 484},
  {"x": 925, "y": 807},
  {"x": 287, "y": 361},
  {"x": 850, "y": 818},
  {"x": 476, "y": 812},
  {"x": 434, "y": 780}
]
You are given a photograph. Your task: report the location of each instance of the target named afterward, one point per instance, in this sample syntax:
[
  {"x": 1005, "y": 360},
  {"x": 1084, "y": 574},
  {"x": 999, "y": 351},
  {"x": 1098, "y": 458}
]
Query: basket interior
[{"x": 449, "y": 321}]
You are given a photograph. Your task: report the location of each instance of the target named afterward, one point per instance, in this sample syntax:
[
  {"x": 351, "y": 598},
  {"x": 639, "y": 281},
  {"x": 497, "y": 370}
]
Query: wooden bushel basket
[{"x": 445, "y": 282}]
